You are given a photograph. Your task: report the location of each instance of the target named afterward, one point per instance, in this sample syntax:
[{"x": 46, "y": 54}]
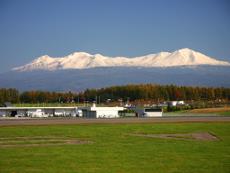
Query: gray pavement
[{"x": 50, "y": 121}]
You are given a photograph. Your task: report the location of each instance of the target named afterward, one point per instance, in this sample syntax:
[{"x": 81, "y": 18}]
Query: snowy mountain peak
[
  {"x": 83, "y": 60},
  {"x": 185, "y": 50},
  {"x": 80, "y": 54},
  {"x": 43, "y": 58}
]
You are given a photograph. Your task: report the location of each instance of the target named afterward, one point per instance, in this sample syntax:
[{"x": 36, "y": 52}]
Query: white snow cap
[{"x": 83, "y": 60}]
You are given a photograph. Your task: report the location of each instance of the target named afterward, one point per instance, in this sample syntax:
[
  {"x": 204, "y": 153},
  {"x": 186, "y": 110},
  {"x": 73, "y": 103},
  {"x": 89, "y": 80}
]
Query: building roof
[{"x": 26, "y": 108}]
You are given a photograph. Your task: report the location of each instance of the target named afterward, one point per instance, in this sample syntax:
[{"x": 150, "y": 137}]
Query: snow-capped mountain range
[{"x": 83, "y": 60}]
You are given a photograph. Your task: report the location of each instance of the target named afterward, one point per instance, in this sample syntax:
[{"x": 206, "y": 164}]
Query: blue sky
[{"x": 31, "y": 28}]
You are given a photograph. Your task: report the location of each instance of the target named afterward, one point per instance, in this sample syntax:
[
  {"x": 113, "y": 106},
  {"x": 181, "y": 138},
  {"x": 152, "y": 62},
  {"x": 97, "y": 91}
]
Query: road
[{"x": 53, "y": 121}]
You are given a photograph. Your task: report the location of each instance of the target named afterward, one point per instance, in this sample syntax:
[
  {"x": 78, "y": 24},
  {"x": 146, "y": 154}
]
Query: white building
[
  {"x": 148, "y": 112},
  {"x": 176, "y": 103},
  {"x": 101, "y": 112}
]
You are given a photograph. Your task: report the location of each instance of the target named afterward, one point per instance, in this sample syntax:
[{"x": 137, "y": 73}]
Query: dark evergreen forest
[{"x": 151, "y": 92}]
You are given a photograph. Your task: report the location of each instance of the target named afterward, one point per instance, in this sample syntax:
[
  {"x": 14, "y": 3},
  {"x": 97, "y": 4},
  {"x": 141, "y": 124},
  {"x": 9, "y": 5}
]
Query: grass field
[
  {"x": 211, "y": 110},
  {"x": 109, "y": 148},
  {"x": 219, "y": 111}
]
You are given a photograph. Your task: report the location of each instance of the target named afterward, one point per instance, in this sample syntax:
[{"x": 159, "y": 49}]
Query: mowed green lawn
[{"x": 113, "y": 150}]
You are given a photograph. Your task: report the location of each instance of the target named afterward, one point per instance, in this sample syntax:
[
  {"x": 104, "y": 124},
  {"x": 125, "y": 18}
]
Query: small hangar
[
  {"x": 101, "y": 112},
  {"x": 37, "y": 111},
  {"x": 148, "y": 112}
]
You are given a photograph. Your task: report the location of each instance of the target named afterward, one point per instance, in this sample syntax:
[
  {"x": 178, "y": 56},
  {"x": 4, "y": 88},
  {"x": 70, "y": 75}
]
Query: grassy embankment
[
  {"x": 221, "y": 111},
  {"x": 112, "y": 149}
]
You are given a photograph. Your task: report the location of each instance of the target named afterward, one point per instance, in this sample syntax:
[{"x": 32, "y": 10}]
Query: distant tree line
[
  {"x": 158, "y": 93},
  {"x": 132, "y": 92},
  {"x": 9, "y": 95}
]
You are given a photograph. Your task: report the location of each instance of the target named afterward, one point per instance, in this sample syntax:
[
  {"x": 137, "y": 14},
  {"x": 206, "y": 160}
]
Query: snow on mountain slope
[{"x": 82, "y": 60}]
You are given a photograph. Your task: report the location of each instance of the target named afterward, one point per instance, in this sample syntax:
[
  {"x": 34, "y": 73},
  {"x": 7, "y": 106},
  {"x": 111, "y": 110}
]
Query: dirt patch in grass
[
  {"x": 40, "y": 141},
  {"x": 202, "y": 136},
  {"x": 210, "y": 110}
]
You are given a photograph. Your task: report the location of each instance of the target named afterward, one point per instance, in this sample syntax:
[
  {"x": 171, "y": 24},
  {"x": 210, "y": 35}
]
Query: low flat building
[
  {"x": 175, "y": 103},
  {"x": 101, "y": 112},
  {"x": 148, "y": 112},
  {"x": 37, "y": 111}
]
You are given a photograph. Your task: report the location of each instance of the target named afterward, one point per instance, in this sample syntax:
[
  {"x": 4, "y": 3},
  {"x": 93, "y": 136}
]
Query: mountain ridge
[{"x": 84, "y": 60}]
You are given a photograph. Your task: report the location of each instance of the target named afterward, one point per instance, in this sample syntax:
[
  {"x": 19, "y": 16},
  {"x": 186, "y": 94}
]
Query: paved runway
[{"x": 47, "y": 121}]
